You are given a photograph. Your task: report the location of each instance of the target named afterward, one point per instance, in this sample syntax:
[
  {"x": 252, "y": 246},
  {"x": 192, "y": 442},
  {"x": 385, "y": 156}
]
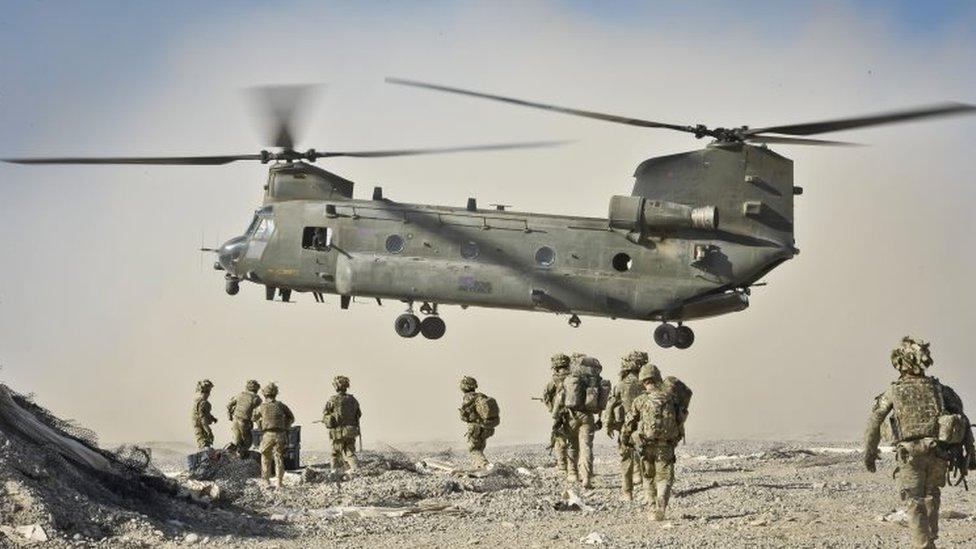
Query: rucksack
[
  {"x": 628, "y": 389},
  {"x": 487, "y": 409},
  {"x": 659, "y": 417},
  {"x": 583, "y": 389},
  {"x": 345, "y": 411},
  {"x": 917, "y": 407}
]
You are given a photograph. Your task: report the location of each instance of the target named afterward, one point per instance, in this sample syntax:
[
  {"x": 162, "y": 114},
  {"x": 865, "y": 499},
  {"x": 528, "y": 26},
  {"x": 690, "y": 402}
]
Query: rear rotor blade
[
  {"x": 441, "y": 150},
  {"x": 173, "y": 160},
  {"x": 799, "y": 141},
  {"x": 280, "y": 107},
  {"x": 813, "y": 128},
  {"x": 565, "y": 110}
]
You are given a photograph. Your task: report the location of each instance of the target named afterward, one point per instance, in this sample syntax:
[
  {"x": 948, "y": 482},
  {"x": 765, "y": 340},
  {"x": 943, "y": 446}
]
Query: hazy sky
[{"x": 110, "y": 314}]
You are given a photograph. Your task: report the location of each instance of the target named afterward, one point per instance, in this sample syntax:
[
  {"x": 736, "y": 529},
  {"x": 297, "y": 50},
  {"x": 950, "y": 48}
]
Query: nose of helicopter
[{"x": 231, "y": 251}]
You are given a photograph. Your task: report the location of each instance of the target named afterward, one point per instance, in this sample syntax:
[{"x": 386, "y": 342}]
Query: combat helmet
[
  {"x": 204, "y": 386},
  {"x": 468, "y": 384},
  {"x": 650, "y": 371},
  {"x": 341, "y": 383},
  {"x": 270, "y": 390},
  {"x": 633, "y": 361},
  {"x": 252, "y": 385},
  {"x": 559, "y": 361},
  {"x": 912, "y": 356}
]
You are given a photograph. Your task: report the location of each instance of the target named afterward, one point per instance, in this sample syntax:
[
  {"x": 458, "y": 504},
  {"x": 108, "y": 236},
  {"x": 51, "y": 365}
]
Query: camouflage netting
[{"x": 56, "y": 483}]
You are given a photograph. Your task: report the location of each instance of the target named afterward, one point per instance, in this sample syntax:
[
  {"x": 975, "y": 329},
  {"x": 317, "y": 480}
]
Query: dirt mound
[{"x": 58, "y": 485}]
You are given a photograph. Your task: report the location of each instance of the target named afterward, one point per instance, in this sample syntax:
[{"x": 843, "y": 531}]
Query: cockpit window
[
  {"x": 254, "y": 225},
  {"x": 264, "y": 230}
]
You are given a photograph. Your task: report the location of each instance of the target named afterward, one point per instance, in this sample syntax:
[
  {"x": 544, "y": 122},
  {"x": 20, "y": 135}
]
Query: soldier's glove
[
  {"x": 971, "y": 465},
  {"x": 598, "y": 425}
]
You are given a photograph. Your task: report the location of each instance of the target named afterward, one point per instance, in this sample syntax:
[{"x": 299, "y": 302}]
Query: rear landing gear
[
  {"x": 407, "y": 325},
  {"x": 232, "y": 285},
  {"x": 431, "y": 327},
  {"x": 667, "y": 336}
]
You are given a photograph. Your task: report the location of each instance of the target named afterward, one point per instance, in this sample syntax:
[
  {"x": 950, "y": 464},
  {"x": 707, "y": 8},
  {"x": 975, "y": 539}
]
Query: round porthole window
[
  {"x": 394, "y": 243},
  {"x": 469, "y": 249},
  {"x": 545, "y": 256},
  {"x": 622, "y": 262}
]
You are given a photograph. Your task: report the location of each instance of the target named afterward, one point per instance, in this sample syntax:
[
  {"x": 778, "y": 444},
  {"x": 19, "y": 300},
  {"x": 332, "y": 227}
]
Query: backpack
[
  {"x": 917, "y": 406},
  {"x": 583, "y": 389},
  {"x": 628, "y": 389},
  {"x": 273, "y": 416},
  {"x": 345, "y": 412},
  {"x": 659, "y": 417},
  {"x": 487, "y": 409}
]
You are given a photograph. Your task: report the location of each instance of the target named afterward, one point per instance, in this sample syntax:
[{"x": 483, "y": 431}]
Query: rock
[
  {"x": 33, "y": 532},
  {"x": 191, "y": 538},
  {"x": 593, "y": 538}
]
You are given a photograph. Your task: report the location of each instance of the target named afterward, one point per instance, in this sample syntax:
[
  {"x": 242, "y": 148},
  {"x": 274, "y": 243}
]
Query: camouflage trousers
[
  {"x": 920, "y": 476},
  {"x": 272, "y": 450},
  {"x": 631, "y": 469},
  {"x": 477, "y": 437},
  {"x": 657, "y": 460},
  {"x": 203, "y": 434},
  {"x": 579, "y": 455},
  {"x": 560, "y": 446},
  {"x": 243, "y": 435},
  {"x": 343, "y": 448}
]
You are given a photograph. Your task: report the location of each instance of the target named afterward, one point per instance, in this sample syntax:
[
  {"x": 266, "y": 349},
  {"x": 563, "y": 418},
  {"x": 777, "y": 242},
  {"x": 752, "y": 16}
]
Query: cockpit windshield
[{"x": 252, "y": 227}]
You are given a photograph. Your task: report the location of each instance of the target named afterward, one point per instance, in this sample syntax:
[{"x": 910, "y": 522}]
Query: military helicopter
[{"x": 698, "y": 230}]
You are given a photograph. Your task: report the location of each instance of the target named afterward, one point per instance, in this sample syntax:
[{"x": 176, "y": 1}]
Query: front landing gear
[
  {"x": 431, "y": 327},
  {"x": 680, "y": 336}
]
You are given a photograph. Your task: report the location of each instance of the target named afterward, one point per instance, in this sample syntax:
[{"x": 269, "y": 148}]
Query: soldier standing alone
[
  {"x": 624, "y": 393},
  {"x": 239, "y": 411},
  {"x": 654, "y": 426},
  {"x": 558, "y": 440},
  {"x": 202, "y": 416},
  {"x": 273, "y": 419},
  {"x": 929, "y": 428},
  {"x": 480, "y": 412},
  {"x": 341, "y": 416}
]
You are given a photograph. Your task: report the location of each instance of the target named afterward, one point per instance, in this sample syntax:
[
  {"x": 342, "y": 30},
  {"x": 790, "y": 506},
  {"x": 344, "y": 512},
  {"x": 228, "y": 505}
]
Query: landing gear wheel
[
  {"x": 433, "y": 327},
  {"x": 285, "y": 294},
  {"x": 232, "y": 287},
  {"x": 665, "y": 335},
  {"x": 683, "y": 337},
  {"x": 407, "y": 325}
]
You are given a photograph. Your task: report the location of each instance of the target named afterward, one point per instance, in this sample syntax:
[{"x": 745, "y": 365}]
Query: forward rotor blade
[
  {"x": 442, "y": 150},
  {"x": 173, "y": 160},
  {"x": 799, "y": 141},
  {"x": 565, "y": 110},
  {"x": 280, "y": 107},
  {"x": 813, "y": 128}
]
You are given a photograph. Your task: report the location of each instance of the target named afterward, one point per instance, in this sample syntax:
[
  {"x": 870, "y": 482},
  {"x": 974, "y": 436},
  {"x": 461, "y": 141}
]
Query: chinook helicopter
[{"x": 698, "y": 230}]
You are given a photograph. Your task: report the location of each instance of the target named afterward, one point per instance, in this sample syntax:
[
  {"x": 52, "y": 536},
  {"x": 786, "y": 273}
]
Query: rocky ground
[{"x": 728, "y": 494}]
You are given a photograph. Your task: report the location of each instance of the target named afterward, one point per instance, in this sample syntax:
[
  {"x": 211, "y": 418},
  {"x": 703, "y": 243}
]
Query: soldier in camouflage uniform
[
  {"x": 274, "y": 419},
  {"x": 477, "y": 410},
  {"x": 928, "y": 427},
  {"x": 614, "y": 415},
  {"x": 558, "y": 439},
  {"x": 239, "y": 411},
  {"x": 580, "y": 428},
  {"x": 654, "y": 427},
  {"x": 202, "y": 416},
  {"x": 341, "y": 416}
]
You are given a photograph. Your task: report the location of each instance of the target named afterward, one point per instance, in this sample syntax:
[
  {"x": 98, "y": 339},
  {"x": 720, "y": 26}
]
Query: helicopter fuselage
[{"x": 664, "y": 258}]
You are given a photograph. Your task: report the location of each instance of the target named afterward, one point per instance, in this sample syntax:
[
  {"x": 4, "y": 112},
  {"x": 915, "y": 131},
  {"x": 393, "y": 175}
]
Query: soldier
[
  {"x": 202, "y": 418},
  {"x": 654, "y": 426},
  {"x": 929, "y": 429},
  {"x": 341, "y": 416},
  {"x": 274, "y": 419},
  {"x": 579, "y": 426},
  {"x": 480, "y": 412},
  {"x": 614, "y": 415},
  {"x": 239, "y": 411},
  {"x": 558, "y": 440}
]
